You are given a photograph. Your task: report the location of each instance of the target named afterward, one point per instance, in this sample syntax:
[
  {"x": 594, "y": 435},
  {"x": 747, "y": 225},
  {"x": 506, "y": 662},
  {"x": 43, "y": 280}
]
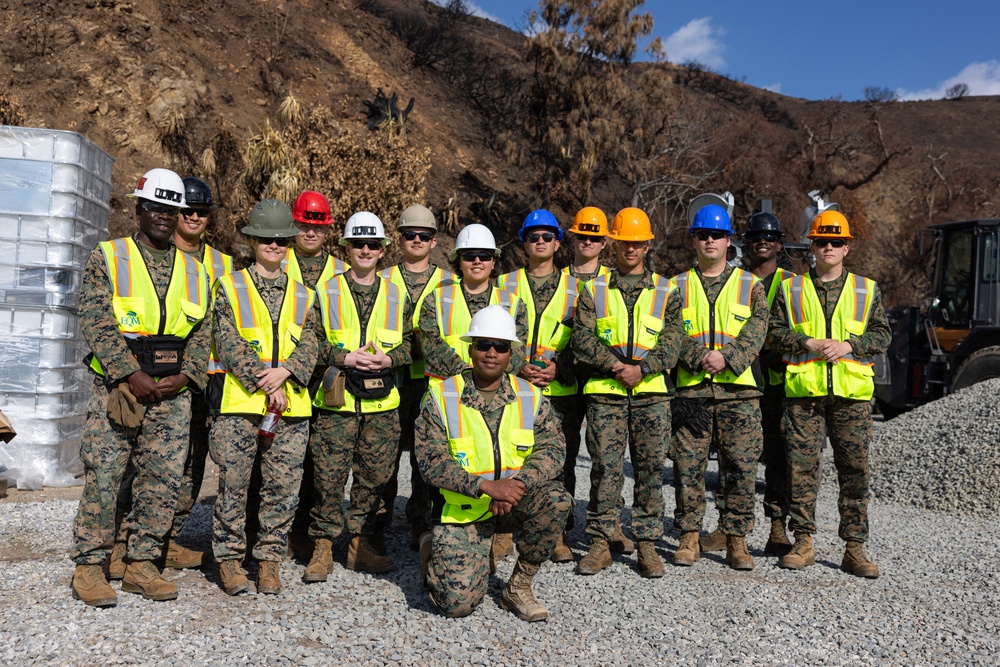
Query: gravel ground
[{"x": 936, "y": 603}]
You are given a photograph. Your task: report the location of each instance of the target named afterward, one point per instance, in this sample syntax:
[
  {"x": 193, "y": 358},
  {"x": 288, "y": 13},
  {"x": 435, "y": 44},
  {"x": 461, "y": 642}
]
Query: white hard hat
[
  {"x": 474, "y": 237},
  {"x": 162, "y": 186},
  {"x": 493, "y": 322},
  {"x": 363, "y": 226}
]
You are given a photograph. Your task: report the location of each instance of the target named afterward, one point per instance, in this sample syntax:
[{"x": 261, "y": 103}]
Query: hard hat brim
[
  {"x": 346, "y": 241},
  {"x": 453, "y": 255},
  {"x": 514, "y": 342},
  {"x": 270, "y": 233}
]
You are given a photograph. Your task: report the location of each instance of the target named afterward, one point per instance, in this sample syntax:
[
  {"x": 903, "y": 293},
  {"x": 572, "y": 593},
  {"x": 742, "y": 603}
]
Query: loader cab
[{"x": 966, "y": 283}]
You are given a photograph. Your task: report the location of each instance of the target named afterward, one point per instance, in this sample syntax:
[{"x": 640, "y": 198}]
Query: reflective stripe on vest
[
  {"x": 332, "y": 267},
  {"x": 217, "y": 264},
  {"x": 731, "y": 311},
  {"x": 343, "y": 331},
  {"x": 472, "y": 444},
  {"x": 775, "y": 378},
  {"x": 253, "y": 321},
  {"x": 454, "y": 318},
  {"x": 809, "y": 375},
  {"x": 438, "y": 277},
  {"x": 612, "y": 328}
]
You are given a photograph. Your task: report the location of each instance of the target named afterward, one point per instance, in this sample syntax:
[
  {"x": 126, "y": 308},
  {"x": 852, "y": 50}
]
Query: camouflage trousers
[
  {"x": 234, "y": 444},
  {"x": 411, "y": 393},
  {"x": 459, "y": 569},
  {"x": 157, "y": 450},
  {"x": 364, "y": 444},
  {"x": 736, "y": 432},
  {"x": 644, "y": 427},
  {"x": 570, "y": 410},
  {"x": 849, "y": 425}
]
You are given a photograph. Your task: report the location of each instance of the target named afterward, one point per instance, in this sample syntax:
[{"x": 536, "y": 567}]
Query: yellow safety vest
[
  {"x": 808, "y": 375},
  {"x": 438, "y": 277},
  {"x": 343, "y": 331},
  {"x": 136, "y": 306},
  {"x": 454, "y": 318},
  {"x": 253, "y": 321},
  {"x": 714, "y": 327},
  {"x": 775, "y": 378},
  {"x": 217, "y": 264},
  {"x": 550, "y": 331},
  {"x": 632, "y": 334},
  {"x": 333, "y": 267},
  {"x": 472, "y": 444}
]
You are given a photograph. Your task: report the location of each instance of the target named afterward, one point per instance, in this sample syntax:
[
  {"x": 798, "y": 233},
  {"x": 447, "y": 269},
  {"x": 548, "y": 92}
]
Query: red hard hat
[{"x": 311, "y": 208}]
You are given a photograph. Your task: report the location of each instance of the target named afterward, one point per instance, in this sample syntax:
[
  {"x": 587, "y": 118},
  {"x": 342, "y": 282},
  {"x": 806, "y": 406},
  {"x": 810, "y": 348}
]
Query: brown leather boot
[
  {"x": 597, "y": 558},
  {"x": 90, "y": 587},
  {"x": 181, "y": 558},
  {"x": 518, "y": 597},
  {"x": 362, "y": 558},
  {"x": 856, "y": 562},
  {"x": 688, "y": 550},
  {"x": 650, "y": 563},
  {"x": 503, "y": 546},
  {"x": 737, "y": 554},
  {"x": 714, "y": 541},
  {"x": 562, "y": 554},
  {"x": 620, "y": 544},
  {"x": 268, "y": 578},
  {"x": 116, "y": 562},
  {"x": 777, "y": 541},
  {"x": 321, "y": 564},
  {"x": 801, "y": 554},
  {"x": 426, "y": 551},
  {"x": 234, "y": 578},
  {"x": 142, "y": 577}
]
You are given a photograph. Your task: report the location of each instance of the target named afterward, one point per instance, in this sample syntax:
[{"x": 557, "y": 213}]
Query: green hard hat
[{"x": 271, "y": 219}]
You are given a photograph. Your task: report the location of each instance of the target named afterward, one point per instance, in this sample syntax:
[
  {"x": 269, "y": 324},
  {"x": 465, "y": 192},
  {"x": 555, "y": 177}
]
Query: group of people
[{"x": 302, "y": 368}]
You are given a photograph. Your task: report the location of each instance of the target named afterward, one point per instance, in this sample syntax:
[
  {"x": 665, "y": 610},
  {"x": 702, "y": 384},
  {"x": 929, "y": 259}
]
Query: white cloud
[
  {"x": 473, "y": 9},
  {"x": 697, "y": 41},
  {"x": 981, "y": 78},
  {"x": 774, "y": 87}
]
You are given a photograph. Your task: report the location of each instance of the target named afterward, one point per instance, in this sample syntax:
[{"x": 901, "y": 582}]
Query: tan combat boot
[
  {"x": 426, "y": 551},
  {"x": 90, "y": 587},
  {"x": 142, "y": 577},
  {"x": 688, "y": 550},
  {"x": 116, "y": 562},
  {"x": 620, "y": 544},
  {"x": 562, "y": 554},
  {"x": 234, "y": 579},
  {"x": 503, "y": 546},
  {"x": 321, "y": 564},
  {"x": 362, "y": 558},
  {"x": 856, "y": 562},
  {"x": 737, "y": 555},
  {"x": 801, "y": 554},
  {"x": 268, "y": 579},
  {"x": 597, "y": 558},
  {"x": 181, "y": 558},
  {"x": 714, "y": 541},
  {"x": 518, "y": 597},
  {"x": 778, "y": 542},
  {"x": 650, "y": 563}
]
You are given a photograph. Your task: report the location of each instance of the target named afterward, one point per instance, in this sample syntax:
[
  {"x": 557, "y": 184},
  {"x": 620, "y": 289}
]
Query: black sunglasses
[
  {"x": 281, "y": 241},
  {"x": 703, "y": 235},
  {"x": 153, "y": 207},
  {"x": 371, "y": 245},
  {"x": 544, "y": 236},
  {"x": 768, "y": 238},
  {"x": 410, "y": 235},
  {"x": 501, "y": 346},
  {"x": 189, "y": 212},
  {"x": 482, "y": 256},
  {"x": 836, "y": 243}
]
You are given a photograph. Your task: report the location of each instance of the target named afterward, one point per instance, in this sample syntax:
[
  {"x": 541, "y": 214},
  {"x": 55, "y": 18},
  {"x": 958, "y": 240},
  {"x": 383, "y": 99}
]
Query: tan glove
[
  {"x": 333, "y": 388},
  {"x": 124, "y": 408}
]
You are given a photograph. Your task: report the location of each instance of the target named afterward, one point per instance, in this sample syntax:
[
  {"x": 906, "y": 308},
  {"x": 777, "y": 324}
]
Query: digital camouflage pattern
[{"x": 312, "y": 267}]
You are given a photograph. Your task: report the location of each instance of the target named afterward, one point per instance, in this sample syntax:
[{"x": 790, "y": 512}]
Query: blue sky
[{"x": 820, "y": 50}]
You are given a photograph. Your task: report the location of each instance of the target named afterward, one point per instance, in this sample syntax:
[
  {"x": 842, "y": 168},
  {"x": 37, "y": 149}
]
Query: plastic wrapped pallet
[{"x": 54, "y": 193}]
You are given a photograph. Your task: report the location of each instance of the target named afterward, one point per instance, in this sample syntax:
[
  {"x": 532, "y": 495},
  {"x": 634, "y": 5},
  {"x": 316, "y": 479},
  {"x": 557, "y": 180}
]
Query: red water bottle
[{"x": 269, "y": 424}]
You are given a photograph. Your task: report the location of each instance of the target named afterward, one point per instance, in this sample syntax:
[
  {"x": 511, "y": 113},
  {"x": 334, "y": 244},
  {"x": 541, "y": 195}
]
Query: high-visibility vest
[
  {"x": 332, "y": 267},
  {"x": 135, "y": 304},
  {"x": 714, "y": 327},
  {"x": 438, "y": 277},
  {"x": 602, "y": 272},
  {"x": 550, "y": 331},
  {"x": 807, "y": 374},
  {"x": 343, "y": 330},
  {"x": 253, "y": 321},
  {"x": 775, "y": 378},
  {"x": 631, "y": 334},
  {"x": 472, "y": 444},
  {"x": 217, "y": 264},
  {"x": 454, "y": 318}
]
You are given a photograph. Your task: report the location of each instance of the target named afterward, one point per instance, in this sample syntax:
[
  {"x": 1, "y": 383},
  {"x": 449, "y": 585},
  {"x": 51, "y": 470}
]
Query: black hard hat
[
  {"x": 763, "y": 223},
  {"x": 196, "y": 191}
]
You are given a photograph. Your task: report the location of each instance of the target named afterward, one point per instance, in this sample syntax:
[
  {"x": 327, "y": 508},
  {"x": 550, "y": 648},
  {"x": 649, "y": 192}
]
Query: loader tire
[{"x": 981, "y": 365}]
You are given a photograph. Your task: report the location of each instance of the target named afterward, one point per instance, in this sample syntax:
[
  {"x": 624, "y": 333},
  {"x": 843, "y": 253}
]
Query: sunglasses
[
  {"x": 191, "y": 212},
  {"x": 482, "y": 256},
  {"x": 371, "y": 245},
  {"x": 822, "y": 243},
  {"x": 281, "y": 242},
  {"x": 541, "y": 236},
  {"x": 426, "y": 237},
  {"x": 501, "y": 346},
  {"x": 158, "y": 209},
  {"x": 702, "y": 235},
  {"x": 767, "y": 238}
]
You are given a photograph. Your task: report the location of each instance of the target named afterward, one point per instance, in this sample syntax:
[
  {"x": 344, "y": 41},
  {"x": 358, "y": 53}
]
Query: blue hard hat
[
  {"x": 711, "y": 217},
  {"x": 540, "y": 218}
]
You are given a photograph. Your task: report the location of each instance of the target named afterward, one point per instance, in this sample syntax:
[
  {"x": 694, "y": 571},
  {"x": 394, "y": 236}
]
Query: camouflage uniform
[
  {"x": 736, "y": 421},
  {"x": 365, "y": 443},
  {"x": 157, "y": 448},
  {"x": 641, "y": 422},
  {"x": 847, "y": 422},
  {"x": 459, "y": 568},
  {"x": 234, "y": 444}
]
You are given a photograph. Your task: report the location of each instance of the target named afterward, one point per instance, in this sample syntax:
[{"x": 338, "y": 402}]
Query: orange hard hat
[
  {"x": 631, "y": 224},
  {"x": 590, "y": 221},
  {"x": 830, "y": 225}
]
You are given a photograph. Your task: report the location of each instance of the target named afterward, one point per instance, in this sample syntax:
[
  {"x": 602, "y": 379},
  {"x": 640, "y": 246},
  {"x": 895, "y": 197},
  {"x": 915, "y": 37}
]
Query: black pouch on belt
[
  {"x": 158, "y": 356},
  {"x": 369, "y": 384}
]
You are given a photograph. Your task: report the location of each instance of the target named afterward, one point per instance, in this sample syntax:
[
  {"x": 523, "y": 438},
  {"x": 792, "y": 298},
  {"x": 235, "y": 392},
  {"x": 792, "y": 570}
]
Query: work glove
[
  {"x": 693, "y": 413},
  {"x": 124, "y": 408}
]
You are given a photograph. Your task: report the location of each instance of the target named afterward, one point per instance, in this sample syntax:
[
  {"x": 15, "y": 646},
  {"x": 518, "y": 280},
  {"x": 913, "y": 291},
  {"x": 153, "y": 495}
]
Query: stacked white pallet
[{"x": 54, "y": 192}]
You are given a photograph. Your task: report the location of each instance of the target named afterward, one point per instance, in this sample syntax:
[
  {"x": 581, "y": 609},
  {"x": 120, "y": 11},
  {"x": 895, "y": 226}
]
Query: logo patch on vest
[
  {"x": 463, "y": 459},
  {"x": 523, "y": 448},
  {"x": 130, "y": 319},
  {"x": 257, "y": 347},
  {"x": 688, "y": 326},
  {"x": 740, "y": 318},
  {"x": 605, "y": 335}
]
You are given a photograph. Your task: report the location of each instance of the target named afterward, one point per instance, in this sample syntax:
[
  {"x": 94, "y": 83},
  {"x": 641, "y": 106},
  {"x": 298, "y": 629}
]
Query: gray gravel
[{"x": 936, "y": 603}]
